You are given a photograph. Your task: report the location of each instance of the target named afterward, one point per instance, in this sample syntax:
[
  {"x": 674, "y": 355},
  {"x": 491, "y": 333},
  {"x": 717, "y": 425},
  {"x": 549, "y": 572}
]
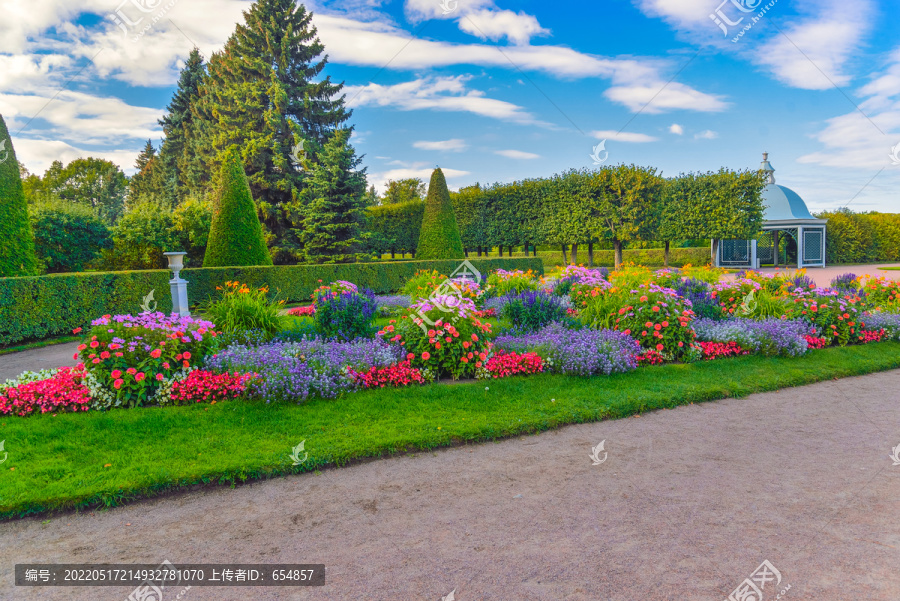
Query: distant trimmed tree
[
  {"x": 439, "y": 237},
  {"x": 17, "y": 257},
  {"x": 235, "y": 236}
]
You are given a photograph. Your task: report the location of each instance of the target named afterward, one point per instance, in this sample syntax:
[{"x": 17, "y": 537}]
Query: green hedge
[
  {"x": 861, "y": 237},
  {"x": 32, "y": 308}
]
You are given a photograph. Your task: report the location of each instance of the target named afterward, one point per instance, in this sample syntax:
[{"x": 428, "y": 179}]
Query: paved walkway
[
  {"x": 688, "y": 503},
  {"x": 47, "y": 357},
  {"x": 822, "y": 276}
]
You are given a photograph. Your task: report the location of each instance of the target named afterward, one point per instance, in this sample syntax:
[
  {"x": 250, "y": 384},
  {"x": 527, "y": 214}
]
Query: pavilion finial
[{"x": 767, "y": 168}]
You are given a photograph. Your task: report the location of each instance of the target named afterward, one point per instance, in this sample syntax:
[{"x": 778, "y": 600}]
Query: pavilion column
[
  {"x": 800, "y": 249},
  {"x": 775, "y": 242}
]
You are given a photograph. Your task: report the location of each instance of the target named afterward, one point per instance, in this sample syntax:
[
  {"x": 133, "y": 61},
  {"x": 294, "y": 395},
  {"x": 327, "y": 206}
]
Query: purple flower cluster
[
  {"x": 155, "y": 321},
  {"x": 393, "y": 300},
  {"x": 294, "y": 371},
  {"x": 769, "y": 336},
  {"x": 576, "y": 352},
  {"x": 586, "y": 275},
  {"x": 889, "y": 322}
]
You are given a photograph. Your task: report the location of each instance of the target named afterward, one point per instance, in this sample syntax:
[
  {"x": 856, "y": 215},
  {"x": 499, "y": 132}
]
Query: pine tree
[
  {"x": 439, "y": 237},
  {"x": 17, "y": 256},
  {"x": 235, "y": 236},
  {"x": 148, "y": 184},
  {"x": 264, "y": 93},
  {"x": 182, "y": 161},
  {"x": 334, "y": 204}
]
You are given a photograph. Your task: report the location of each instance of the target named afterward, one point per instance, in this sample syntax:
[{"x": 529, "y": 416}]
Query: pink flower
[
  {"x": 118, "y": 384},
  {"x": 426, "y": 356},
  {"x": 659, "y": 347},
  {"x": 131, "y": 371},
  {"x": 155, "y": 353},
  {"x": 187, "y": 355},
  {"x": 116, "y": 374},
  {"x": 159, "y": 377},
  {"x": 139, "y": 376},
  {"x": 81, "y": 347},
  {"x": 166, "y": 365},
  {"x": 94, "y": 344}
]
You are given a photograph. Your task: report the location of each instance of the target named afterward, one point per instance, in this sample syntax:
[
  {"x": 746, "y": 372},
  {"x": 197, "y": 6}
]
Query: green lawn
[{"x": 60, "y": 462}]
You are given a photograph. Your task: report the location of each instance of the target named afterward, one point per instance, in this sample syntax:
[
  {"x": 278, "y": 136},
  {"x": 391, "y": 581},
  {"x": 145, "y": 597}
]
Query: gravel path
[
  {"x": 686, "y": 506},
  {"x": 47, "y": 357}
]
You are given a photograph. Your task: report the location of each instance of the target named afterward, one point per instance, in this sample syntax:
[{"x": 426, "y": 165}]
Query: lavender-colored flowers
[
  {"x": 577, "y": 352},
  {"x": 294, "y": 371},
  {"x": 155, "y": 321},
  {"x": 889, "y": 322},
  {"x": 768, "y": 337}
]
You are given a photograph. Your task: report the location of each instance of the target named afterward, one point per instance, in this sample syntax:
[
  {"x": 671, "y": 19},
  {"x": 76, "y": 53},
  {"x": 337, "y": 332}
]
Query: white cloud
[
  {"x": 615, "y": 136},
  {"x": 38, "y": 154},
  {"x": 518, "y": 28},
  {"x": 676, "y": 129},
  {"x": 453, "y": 145},
  {"x": 706, "y": 135},
  {"x": 517, "y": 154},
  {"x": 437, "y": 93},
  {"x": 411, "y": 170}
]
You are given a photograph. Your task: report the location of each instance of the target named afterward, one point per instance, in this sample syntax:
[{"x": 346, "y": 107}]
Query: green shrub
[
  {"x": 235, "y": 236},
  {"x": 17, "y": 256},
  {"x": 343, "y": 312},
  {"x": 51, "y": 305},
  {"x": 241, "y": 308},
  {"x": 67, "y": 236},
  {"x": 423, "y": 283},
  {"x": 861, "y": 237},
  {"x": 502, "y": 282},
  {"x": 140, "y": 238},
  {"x": 439, "y": 236}
]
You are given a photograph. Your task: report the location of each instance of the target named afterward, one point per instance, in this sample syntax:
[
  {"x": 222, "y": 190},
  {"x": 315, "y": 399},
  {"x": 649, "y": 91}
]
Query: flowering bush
[
  {"x": 486, "y": 313},
  {"x": 847, "y": 283},
  {"x": 423, "y": 283},
  {"x": 730, "y": 295},
  {"x": 658, "y": 319},
  {"x": 532, "y": 309},
  {"x": 866, "y": 336},
  {"x": 505, "y": 364},
  {"x": 205, "y": 386},
  {"x": 887, "y": 322},
  {"x": 667, "y": 277},
  {"x": 294, "y": 371},
  {"x": 343, "y": 312},
  {"x": 587, "y": 276},
  {"x": 836, "y": 318},
  {"x": 304, "y": 311},
  {"x": 699, "y": 293},
  {"x": 815, "y": 343},
  {"x": 883, "y": 294},
  {"x": 242, "y": 308},
  {"x": 399, "y": 374},
  {"x": 650, "y": 358},
  {"x": 718, "y": 350},
  {"x": 128, "y": 357},
  {"x": 454, "y": 342},
  {"x": 577, "y": 352},
  {"x": 502, "y": 282},
  {"x": 768, "y": 337},
  {"x": 63, "y": 391}
]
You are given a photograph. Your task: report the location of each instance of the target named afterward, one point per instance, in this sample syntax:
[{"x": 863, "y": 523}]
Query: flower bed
[
  {"x": 505, "y": 364},
  {"x": 62, "y": 391},
  {"x": 767, "y": 337}
]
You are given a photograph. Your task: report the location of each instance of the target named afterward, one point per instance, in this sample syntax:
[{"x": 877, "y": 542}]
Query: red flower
[
  {"x": 186, "y": 355},
  {"x": 139, "y": 376},
  {"x": 116, "y": 374},
  {"x": 118, "y": 384},
  {"x": 155, "y": 353},
  {"x": 660, "y": 347}
]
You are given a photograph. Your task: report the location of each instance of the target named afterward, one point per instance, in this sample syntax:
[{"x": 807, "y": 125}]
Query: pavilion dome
[{"x": 781, "y": 203}]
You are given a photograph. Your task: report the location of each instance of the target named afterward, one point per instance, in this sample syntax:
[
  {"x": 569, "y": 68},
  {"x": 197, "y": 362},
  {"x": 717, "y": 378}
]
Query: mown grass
[{"x": 59, "y": 462}]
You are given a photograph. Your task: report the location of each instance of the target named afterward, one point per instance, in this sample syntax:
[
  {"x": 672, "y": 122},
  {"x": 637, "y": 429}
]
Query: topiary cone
[
  {"x": 17, "y": 257},
  {"x": 439, "y": 237},
  {"x": 235, "y": 236}
]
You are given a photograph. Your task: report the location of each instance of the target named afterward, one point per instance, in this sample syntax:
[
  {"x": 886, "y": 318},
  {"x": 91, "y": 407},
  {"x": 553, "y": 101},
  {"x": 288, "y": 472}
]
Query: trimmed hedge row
[{"x": 32, "y": 308}]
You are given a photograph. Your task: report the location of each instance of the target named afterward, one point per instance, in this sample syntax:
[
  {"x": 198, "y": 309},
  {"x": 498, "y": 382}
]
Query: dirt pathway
[{"x": 688, "y": 503}]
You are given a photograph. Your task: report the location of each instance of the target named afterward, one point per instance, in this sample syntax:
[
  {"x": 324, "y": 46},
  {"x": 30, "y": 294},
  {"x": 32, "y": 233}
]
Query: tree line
[{"x": 607, "y": 207}]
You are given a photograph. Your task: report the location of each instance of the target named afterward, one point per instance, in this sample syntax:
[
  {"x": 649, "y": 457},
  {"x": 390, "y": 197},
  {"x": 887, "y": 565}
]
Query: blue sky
[{"x": 496, "y": 91}]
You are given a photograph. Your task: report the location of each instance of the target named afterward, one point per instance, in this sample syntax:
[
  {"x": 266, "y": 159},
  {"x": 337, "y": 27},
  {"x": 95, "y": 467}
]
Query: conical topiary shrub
[
  {"x": 439, "y": 236},
  {"x": 17, "y": 256},
  {"x": 235, "y": 236}
]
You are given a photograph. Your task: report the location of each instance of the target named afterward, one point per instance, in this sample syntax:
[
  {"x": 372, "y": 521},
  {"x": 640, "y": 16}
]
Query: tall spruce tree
[
  {"x": 264, "y": 93},
  {"x": 181, "y": 157},
  {"x": 17, "y": 256},
  {"x": 149, "y": 181},
  {"x": 334, "y": 204}
]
